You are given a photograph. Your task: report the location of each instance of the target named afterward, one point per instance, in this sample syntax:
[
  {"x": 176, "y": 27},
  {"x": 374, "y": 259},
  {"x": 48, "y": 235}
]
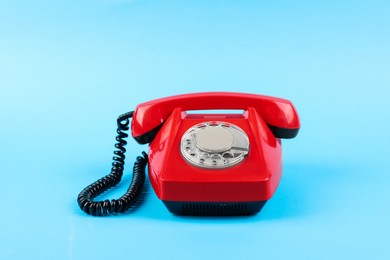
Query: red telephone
[{"x": 202, "y": 164}]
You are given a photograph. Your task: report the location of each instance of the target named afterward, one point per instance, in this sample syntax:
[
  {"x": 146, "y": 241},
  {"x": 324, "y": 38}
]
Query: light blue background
[{"x": 69, "y": 68}]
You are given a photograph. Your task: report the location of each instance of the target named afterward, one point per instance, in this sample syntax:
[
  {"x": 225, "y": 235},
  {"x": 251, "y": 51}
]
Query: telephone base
[{"x": 214, "y": 208}]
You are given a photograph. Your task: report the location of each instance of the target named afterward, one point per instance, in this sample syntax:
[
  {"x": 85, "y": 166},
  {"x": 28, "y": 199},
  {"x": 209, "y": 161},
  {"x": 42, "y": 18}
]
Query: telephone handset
[{"x": 201, "y": 164}]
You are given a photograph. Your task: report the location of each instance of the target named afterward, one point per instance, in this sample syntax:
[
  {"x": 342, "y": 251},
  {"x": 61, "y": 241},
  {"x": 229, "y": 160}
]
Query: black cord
[{"x": 121, "y": 205}]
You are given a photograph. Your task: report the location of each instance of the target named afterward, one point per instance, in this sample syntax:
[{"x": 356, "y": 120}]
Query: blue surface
[{"x": 68, "y": 68}]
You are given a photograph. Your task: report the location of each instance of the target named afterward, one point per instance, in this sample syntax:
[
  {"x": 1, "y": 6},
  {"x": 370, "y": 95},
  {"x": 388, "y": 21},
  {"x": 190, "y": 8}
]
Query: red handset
[
  {"x": 214, "y": 164},
  {"x": 279, "y": 114}
]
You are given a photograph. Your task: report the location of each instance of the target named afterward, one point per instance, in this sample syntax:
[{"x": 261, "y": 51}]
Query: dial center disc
[{"x": 214, "y": 139}]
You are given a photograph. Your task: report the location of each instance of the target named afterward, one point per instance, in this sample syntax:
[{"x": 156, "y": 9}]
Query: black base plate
[{"x": 214, "y": 208}]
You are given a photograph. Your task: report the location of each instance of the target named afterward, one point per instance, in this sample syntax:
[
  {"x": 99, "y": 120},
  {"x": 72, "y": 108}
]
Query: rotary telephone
[{"x": 201, "y": 164}]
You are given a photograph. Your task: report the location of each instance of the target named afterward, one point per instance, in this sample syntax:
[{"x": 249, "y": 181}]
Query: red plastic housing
[{"x": 254, "y": 179}]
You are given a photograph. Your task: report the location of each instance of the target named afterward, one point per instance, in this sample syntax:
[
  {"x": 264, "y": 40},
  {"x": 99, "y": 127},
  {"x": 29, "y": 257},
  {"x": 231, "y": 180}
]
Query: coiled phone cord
[{"x": 121, "y": 205}]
